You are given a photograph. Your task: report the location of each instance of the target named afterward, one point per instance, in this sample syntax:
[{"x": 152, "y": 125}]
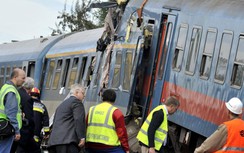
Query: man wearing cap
[{"x": 229, "y": 137}]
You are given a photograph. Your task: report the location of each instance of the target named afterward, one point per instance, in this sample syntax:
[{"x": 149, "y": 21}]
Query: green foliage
[{"x": 80, "y": 18}]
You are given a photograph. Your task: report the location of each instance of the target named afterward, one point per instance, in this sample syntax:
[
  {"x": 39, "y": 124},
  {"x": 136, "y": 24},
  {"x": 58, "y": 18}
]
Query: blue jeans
[
  {"x": 6, "y": 144},
  {"x": 109, "y": 150}
]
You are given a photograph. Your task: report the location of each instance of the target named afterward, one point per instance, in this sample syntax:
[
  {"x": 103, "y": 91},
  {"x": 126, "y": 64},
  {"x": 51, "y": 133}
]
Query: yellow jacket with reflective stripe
[
  {"x": 6, "y": 88},
  {"x": 160, "y": 133},
  {"x": 101, "y": 127}
]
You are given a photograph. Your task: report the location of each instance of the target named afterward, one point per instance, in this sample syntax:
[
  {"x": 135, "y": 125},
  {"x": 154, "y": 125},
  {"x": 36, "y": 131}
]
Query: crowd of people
[
  {"x": 21, "y": 107},
  {"x": 102, "y": 130}
]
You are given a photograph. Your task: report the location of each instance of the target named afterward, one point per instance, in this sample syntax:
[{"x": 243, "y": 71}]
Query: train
[{"x": 190, "y": 49}]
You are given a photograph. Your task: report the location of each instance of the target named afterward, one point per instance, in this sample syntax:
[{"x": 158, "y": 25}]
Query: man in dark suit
[
  {"x": 26, "y": 144},
  {"x": 68, "y": 132}
]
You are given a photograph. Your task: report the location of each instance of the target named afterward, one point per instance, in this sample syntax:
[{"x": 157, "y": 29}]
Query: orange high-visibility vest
[{"x": 235, "y": 137}]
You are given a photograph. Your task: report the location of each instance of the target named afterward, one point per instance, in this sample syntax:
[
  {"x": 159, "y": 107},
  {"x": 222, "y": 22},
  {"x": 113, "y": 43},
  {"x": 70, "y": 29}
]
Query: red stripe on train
[
  {"x": 146, "y": 85},
  {"x": 197, "y": 104}
]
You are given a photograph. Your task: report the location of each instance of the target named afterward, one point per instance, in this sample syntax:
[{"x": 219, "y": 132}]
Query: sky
[{"x": 29, "y": 19}]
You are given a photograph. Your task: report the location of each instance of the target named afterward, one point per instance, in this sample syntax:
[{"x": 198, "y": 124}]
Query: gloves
[{"x": 36, "y": 138}]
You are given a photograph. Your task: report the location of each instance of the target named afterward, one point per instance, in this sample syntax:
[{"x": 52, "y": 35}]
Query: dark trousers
[
  {"x": 29, "y": 147},
  {"x": 65, "y": 148},
  {"x": 108, "y": 150}
]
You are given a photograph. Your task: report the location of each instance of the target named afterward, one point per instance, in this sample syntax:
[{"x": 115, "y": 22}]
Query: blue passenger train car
[
  {"x": 191, "y": 49},
  {"x": 28, "y": 55},
  {"x": 69, "y": 61}
]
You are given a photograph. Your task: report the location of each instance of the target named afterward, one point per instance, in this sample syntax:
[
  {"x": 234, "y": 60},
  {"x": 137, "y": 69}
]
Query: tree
[{"x": 80, "y": 18}]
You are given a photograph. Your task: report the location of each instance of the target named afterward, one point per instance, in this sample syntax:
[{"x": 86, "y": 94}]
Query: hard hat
[
  {"x": 234, "y": 105},
  {"x": 35, "y": 92}
]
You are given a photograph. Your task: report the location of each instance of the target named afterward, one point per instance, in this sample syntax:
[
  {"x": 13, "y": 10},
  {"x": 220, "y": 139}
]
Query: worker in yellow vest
[
  {"x": 229, "y": 137},
  {"x": 153, "y": 133},
  {"x": 106, "y": 132},
  {"x": 10, "y": 108}
]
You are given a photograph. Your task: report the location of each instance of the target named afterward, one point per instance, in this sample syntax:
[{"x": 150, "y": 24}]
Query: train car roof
[
  {"x": 24, "y": 50},
  {"x": 224, "y": 8},
  {"x": 77, "y": 43},
  {"x": 219, "y": 8}
]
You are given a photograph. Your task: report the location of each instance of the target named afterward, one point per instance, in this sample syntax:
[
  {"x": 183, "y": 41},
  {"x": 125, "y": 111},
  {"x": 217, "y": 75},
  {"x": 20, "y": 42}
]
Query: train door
[
  {"x": 29, "y": 68},
  {"x": 164, "y": 46}
]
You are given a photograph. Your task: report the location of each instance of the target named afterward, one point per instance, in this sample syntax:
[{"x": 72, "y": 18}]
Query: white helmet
[{"x": 234, "y": 105}]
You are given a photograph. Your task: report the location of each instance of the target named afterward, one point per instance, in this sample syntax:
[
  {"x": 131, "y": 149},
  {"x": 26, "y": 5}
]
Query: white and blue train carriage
[
  {"x": 71, "y": 60},
  {"x": 28, "y": 55}
]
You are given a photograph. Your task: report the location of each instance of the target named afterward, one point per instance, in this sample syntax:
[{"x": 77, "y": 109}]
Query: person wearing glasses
[{"x": 69, "y": 128}]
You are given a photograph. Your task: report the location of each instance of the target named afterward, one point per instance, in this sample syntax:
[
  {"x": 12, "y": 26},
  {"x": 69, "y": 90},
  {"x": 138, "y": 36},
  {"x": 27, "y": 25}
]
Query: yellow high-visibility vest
[
  {"x": 101, "y": 127},
  {"x": 6, "y": 88},
  {"x": 160, "y": 133}
]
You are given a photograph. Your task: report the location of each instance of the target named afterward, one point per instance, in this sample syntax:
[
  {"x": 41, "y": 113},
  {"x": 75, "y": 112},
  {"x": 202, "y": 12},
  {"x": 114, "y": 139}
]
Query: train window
[
  {"x": 31, "y": 69},
  {"x": 90, "y": 70},
  {"x": 165, "y": 48},
  {"x": 57, "y": 74},
  {"x": 24, "y": 68},
  {"x": 179, "y": 49},
  {"x": 2, "y": 76},
  {"x": 193, "y": 50},
  {"x": 82, "y": 69},
  {"x": 127, "y": 71},
  {"x": 2, "y": 71},
  {"x": 224, "y": 53},
  {"x": 8, "y": 71},
  {"x": 73, "y": 71},
  {"x": 65, "y": 72},
  {"x": 117, "y": 67},
  {"x": 98, "y": 71},
  {"x": 207, "y": 54},
  {"x": 238, "y": 67},
  {"x": 50, "y": 74}
]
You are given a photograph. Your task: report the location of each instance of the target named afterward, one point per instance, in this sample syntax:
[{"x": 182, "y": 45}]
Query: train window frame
[
  {"x": 205, "y": 64},
  {"x": 2, "y": 74},
  {"x": 97, "y": 70},
  {"x": 237, "y": 63},
  {"x": 127, "y": 76},
  {"x": 165, "y": 48},
  {"x": 117, "y": 66},
  {"x": 58, "y": 69},
  {"x": 221, "y": 49},
  {"x": 49, "y": 75},
  {"x": 65, "y": 72},
  {"x": 82, "y": 69},
  {"x": 89, "y": 71},
  {"x": 180, "y": 49},
  {"x": 8, "y": 72},
  {"x": 73, "y": 70},
  {"x": 193, "y": 52}
]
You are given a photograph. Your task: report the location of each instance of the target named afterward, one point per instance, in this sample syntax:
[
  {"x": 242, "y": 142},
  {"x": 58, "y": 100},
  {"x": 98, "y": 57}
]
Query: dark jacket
[
  {"x": 41, "y": 117},
  {"x": 27, "y": 130},
  {"x": 69, "y": 123}
]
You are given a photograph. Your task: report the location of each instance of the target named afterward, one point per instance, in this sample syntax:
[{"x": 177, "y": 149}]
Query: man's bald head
[{"x": 18, "y": 77}]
